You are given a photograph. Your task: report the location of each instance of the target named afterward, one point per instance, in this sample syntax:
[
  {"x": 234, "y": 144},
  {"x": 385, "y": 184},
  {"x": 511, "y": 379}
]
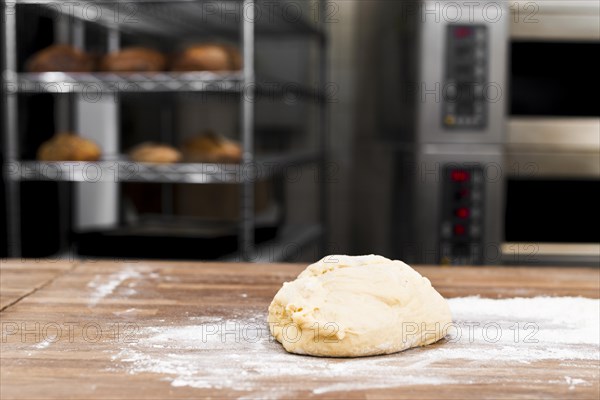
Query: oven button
[
  {"x": 462, "y": 212},
  {"x": 459, "y": 175},
  {"x": 475, "y": 213},
  {"x": 459, "y": 229},
  {"x": 476, "y": 195},
  {"x": 446, "y": 230},
  {"x": 475, "y": 231},
  {"x": 451, "y": 92}
]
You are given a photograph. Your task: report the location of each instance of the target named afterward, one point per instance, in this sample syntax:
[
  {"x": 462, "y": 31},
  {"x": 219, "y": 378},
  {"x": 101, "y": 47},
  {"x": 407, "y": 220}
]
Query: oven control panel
[
  {"x": 461, "y": 222},
  {"x": 466, "y": 82}
]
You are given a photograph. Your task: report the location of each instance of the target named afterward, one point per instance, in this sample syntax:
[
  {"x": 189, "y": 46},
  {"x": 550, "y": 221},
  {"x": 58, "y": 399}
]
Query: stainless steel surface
[
  {"x": 11, "y": 129},
  {"x": 323, "y": 122},
  {"x": 432, "y": 81},
  {"x": 585, "y": 254},
  {"x": 554, "y": 133},
  {"x": 553, "y": 139},
  {"x": 103, "y": 82},
  {"x": 426, "y": 145},
  {"x": 246, "y": 238},
  {"x": 553, "y": 147},
  {"x": 429, "y": 196},
  {"x": 121, "y": 170},
  {"x": 113, "y": 39},
  {"x": 555, "y": 20}
]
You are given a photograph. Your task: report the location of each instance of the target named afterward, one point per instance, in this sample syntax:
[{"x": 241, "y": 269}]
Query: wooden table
[{"x": 101, "y": 309}]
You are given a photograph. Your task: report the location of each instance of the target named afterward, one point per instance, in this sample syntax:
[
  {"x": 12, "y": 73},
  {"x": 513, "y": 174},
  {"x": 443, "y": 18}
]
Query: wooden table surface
[{"x": 70, "y": 330}]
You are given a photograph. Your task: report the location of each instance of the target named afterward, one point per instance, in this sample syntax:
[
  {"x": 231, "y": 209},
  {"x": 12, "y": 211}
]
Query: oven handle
[
  {"x": 554, "y": 147},
  {"x": 544, "y": 254}
]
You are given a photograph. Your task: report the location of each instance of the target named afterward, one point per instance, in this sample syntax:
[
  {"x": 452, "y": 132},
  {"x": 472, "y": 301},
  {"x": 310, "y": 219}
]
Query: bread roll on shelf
[
  {"x": 60, "y": 57},
  {"x": 208, "y": 57},
  {"x": 67, "y": 146},
  {"x": 155, "y": 153},
  {"x": 212, "y": 148},
  {"x": 134, "y": 59}
]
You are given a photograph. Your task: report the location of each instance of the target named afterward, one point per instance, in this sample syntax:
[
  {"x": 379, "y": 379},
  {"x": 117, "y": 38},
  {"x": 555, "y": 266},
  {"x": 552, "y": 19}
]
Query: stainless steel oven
[
  {"x": 495, "y": 126},
  {"x": 553, "y": 134}
]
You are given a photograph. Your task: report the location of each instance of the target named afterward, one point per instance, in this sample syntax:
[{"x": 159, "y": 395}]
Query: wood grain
[
  {"x": 498, "y": 282},
  {"x": 19, "y": 278},
  {"x": 110, "y": 298}
]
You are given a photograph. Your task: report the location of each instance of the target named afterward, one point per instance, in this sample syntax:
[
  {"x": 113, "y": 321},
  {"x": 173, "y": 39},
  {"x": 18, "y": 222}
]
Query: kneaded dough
[{"x": 344, "y": 306}]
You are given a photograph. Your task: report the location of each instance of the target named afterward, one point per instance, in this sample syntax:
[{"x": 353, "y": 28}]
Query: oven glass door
[
  {"x": 558, "y": 79},
  {"x": 553, "y": 210},
  {"x": 552, "y": 221}
]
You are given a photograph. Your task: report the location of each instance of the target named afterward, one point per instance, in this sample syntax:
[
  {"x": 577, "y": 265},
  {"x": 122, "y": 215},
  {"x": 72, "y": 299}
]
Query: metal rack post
[
  {"x": 246, "y": 239},
  {"x": 323, "y": 131},
  {"x": 11, "y": 137}
]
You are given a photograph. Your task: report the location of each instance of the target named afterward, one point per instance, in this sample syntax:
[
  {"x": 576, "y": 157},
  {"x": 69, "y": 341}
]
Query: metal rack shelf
[
  {"x": 159, "y": 82},
  {"x": 78, "y": 82},
  {"x": 122, "y": 170}
]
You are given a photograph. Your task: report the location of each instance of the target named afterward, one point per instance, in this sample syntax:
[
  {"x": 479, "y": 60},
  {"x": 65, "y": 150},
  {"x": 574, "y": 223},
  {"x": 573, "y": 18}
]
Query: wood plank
[
  {"x": 19, "y": 278},
  {"x": 498, "y": 282},
  {"x": 117, "y": 322}
]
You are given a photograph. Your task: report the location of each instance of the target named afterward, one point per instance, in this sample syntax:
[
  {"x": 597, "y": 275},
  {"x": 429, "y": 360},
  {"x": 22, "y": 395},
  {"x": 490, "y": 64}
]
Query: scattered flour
[
  {"x": 103, "y": 285},
  {"x": 574, "y": 382},
  {"x": 239, "y": 354},
  {"x": 125, "y": 312},
  {"x": 44, "y": 343}
]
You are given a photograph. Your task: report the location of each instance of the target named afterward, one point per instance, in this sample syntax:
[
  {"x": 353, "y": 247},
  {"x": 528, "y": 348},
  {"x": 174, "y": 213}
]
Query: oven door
[
  {"x": 553, "y": 140},
  {"x": 552, "y": 192}
]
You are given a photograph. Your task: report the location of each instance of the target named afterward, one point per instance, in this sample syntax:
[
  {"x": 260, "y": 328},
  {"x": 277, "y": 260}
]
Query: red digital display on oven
[
  {"x": 459, "y": 175},
  {"x": 459, "y": 230},
  {"x": 462, "y": 212},
  {"x": 462, "y": 32}
]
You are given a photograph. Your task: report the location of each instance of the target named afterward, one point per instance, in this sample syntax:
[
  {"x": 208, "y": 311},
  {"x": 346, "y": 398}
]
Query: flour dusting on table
[
  {"x": 103, "y": 286},
  {"x": 239, "y": 354}
]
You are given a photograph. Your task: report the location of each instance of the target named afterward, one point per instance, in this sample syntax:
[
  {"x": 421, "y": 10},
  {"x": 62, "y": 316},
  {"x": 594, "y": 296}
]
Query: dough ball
[{"x": 345, "y": 306}]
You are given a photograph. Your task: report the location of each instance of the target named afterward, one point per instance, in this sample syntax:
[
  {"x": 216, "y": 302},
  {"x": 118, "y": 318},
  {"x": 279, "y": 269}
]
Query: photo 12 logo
[
  {"x": 454, "y": 11},
  {"x": 43, "y": 334}
]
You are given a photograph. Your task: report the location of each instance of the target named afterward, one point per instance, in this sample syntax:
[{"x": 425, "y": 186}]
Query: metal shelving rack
[{"x": 158, "y": 20}]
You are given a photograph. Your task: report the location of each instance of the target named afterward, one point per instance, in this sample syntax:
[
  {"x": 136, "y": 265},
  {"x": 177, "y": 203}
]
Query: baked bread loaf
[
  {"x": 155, "y": 153},
  {"x": 213, "y": 148},
  {"x": 68, "y": 146},
  {"x": 134, "y": 59},
  {"x": 208, "y": 57},
  {"x": 60, "y": 57}
]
